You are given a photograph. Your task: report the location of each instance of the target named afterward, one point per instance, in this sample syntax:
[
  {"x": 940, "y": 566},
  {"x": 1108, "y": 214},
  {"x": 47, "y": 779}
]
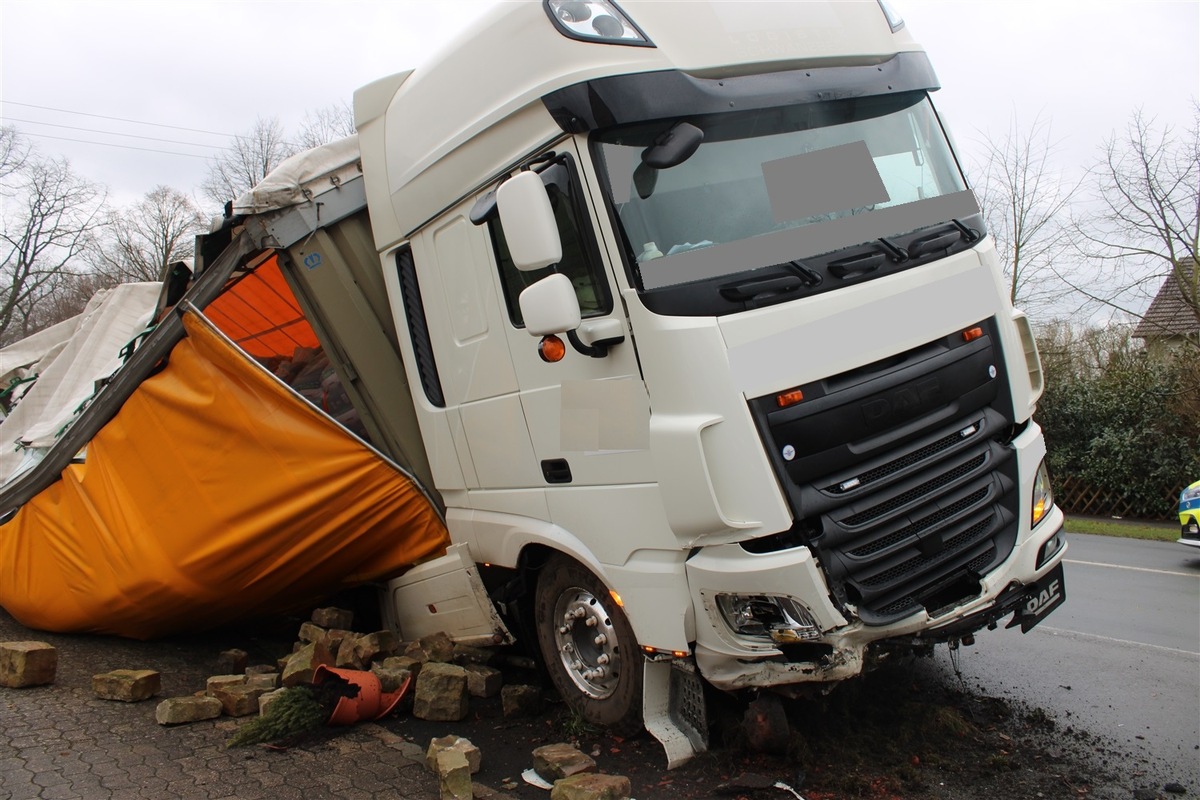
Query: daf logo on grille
[{"x": 901, "y": 404}]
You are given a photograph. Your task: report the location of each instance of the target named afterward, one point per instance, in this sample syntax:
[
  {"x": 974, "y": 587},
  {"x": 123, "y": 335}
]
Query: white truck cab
[{"x": 708, "y": 345}]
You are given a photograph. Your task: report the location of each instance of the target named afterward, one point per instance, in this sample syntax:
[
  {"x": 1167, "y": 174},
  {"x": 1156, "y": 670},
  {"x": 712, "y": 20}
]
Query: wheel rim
[{"x": 587, "y": 642}]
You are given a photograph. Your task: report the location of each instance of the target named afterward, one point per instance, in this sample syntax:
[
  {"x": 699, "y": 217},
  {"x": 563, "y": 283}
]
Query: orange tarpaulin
[
  {"x": 261, "y": 315},
  {"x": 215, "y": 494}
]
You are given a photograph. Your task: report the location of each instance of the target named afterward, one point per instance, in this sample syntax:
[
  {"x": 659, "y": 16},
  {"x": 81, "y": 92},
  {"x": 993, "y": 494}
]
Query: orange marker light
[
  {"x": 617, "y": 598},
  {"x": 971, "y": 334},
  {"x": 552, "y": 349},
  {"x": 785, "y": 399}
]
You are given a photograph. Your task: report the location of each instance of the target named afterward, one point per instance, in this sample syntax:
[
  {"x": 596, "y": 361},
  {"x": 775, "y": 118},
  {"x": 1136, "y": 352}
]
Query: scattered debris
[
  {"x": 452, "y": 742},
  {"x": 591, "y": 786},
  {"x": 27, "y": 664},
  {"x": 441, "y": 693},
  {"x": 556, "y": 761},
  {"x": 127, "y": 685},
  {"x": 180, "y": 710},
  {"x": 454, "y": 775},
  {"x": 232, "y": 661},
  {"x": 521, "y": 700}
]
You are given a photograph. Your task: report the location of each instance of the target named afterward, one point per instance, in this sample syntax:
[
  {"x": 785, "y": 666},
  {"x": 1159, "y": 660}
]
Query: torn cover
[{"x": 215, "y": 494}]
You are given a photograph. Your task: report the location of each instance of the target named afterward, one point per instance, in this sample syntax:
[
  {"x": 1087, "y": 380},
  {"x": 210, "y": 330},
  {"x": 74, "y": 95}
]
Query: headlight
[
  {"x": 594, "y": 21},
  {"x": 780, "y": 619},
  {"x": 1043, "y": 498}
]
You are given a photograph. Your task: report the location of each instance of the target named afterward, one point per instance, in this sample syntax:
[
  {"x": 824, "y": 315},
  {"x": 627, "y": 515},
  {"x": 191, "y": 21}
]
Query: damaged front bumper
[{"x": 832, "y": 646}]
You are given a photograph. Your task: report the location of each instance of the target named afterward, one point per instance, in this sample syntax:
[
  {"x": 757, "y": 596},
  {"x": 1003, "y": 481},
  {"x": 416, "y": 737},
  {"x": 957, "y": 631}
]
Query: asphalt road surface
[{"x": 1120, "y": 659}]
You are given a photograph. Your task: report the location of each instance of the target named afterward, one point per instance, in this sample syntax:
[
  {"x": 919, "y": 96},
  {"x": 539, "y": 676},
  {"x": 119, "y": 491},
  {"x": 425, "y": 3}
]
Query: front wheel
[{"x": 588, "y": 646}]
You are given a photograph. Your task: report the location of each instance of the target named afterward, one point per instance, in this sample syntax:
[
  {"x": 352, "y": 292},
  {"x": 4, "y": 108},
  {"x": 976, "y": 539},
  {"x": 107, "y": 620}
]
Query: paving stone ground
[{"x": 60, "y": 742}]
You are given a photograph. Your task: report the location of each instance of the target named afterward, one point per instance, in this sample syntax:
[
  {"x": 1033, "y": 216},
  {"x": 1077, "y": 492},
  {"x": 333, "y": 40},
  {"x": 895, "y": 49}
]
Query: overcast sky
[{"x": 79, "y": 73}]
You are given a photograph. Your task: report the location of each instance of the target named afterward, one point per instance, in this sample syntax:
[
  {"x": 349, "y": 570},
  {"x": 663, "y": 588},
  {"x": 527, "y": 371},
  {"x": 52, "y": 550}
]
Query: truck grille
[{"x": 901, "y": 476}]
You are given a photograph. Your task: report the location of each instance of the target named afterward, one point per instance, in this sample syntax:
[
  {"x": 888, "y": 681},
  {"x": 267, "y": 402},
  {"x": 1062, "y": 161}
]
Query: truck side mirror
[
  {"x": 550, "y": 306},
  {"x": 529, "y": 225}
]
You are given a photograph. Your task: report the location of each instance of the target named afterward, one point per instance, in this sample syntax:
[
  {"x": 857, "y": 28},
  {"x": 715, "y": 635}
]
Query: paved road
[
  {"x": 1121, "y": 659},
  {"x": 60, "y": 742}
]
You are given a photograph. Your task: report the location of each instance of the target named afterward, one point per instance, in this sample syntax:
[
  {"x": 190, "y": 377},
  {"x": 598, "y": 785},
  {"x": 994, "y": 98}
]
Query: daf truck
[{"x": 686, "y": 318}]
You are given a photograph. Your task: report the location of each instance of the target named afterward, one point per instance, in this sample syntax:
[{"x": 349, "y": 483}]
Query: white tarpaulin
[
  {"x": 290, "y": 182},
  {"x": 68, "y": 368}
]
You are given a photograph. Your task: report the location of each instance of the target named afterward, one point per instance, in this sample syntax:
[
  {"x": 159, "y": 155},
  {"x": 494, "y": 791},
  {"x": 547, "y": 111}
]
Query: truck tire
[{"x": 588, "y": 646}]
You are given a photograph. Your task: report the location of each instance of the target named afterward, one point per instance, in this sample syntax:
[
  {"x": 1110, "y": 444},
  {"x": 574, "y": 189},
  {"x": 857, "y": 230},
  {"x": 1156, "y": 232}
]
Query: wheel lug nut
[
  {"x": 591, "y": 622},
  {"x": 564, "y": 630},
  {"x": 600, "y": 640},
  {"x": 602, "y": 659}
]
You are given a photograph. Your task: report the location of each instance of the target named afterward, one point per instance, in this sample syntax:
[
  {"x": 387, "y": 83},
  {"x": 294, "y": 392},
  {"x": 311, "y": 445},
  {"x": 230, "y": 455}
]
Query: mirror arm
[{"x": 598, "y": 349}]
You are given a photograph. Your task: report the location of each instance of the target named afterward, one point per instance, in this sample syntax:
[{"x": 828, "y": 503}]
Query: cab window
[{"x": 580, "y": 259}]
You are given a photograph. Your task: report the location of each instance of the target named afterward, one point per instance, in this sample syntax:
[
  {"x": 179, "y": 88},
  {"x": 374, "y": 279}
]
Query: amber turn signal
[
  {"x": 785, "y": 399},
  {"x": 551, "y": 349},
  {"x": 971, "y": 334}
]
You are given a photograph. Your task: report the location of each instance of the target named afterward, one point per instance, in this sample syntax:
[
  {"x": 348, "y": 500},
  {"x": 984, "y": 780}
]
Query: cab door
[{"x": 587, "y": 414}]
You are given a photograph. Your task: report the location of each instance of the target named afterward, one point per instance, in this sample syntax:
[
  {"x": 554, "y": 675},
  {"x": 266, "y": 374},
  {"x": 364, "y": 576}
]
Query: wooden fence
[{"x": 1074, "y": 496}]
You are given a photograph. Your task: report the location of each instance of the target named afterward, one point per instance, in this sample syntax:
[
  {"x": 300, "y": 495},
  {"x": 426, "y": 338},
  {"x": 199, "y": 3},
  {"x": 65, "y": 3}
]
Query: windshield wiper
[
  {"x": 898, "y": 254},
  {"x": 970, "y": 234}
]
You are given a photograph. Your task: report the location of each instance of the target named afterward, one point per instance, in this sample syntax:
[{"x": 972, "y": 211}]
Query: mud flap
[
  {"x": 673, "y": 709},
  {"x": 445, "y": 594}
]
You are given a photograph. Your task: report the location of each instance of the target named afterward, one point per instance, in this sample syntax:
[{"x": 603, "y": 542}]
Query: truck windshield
[{"x": 778, "y": 185}]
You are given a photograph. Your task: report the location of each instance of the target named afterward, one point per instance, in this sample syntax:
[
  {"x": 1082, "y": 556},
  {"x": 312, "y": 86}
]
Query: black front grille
[
  {"x": 919, "y": 493},
  {"x": 911, "y": 512},
  {"x": 906, "y": 534}
]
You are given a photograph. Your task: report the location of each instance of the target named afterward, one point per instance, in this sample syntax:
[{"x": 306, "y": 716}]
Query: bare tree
[
  {"x": 1025, "y": 203},
  {"x": 1147, "y": 184},
  {"x": 70, "y": 296},
  {"x": 143, "y": 239},
  {"x": 14, "y": 153},
  {"x": 49, "y": 217},
  {"x": 247, "y": 161},
  {"x": 327, "y": 125}
]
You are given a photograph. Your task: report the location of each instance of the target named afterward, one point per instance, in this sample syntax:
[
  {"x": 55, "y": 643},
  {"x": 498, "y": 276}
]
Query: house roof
[{"x": 1169, "y": 315}]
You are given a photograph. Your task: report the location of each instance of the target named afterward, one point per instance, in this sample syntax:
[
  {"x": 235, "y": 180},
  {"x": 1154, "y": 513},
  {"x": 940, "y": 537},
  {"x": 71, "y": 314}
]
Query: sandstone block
[
  {"x": 260, "y": 669},
  {"x": 302, "y": 664},
  {"x": 438, "y": 646},
  {"x": 521, "y": 701},
  {"x": 333, "y": 618},
  {"x": 591, "y": 786},
  {"x": 215, "y": 682},
  {"x": 178, "y": 710},
  {"x": 263, "y": 680},
  {"x": 371, "y": 646},
  {"x": 127, "y": 685},
  {"x": 335, "y": 636},
  {"x": 390, "y": 679},
  {"x": 230, "y": 661},
  {"x": 27, "y": 664},
  {"x": 466, "y": 654},
  {"x": 441, "y": 693},
  {"x": 239, "y": 700},
  {"x": 557, "y": 761},
  {"x": 454, "y": 775},
  {"x": 346, "y": 657},
  {"x": 414, "y": 651},
  {"x": 265, "y": 700},
  {"x": 452, "y": 742},
  {"x": 483, "y": 681},
  {"x": 410, "y": 665},
  {"x": 311, "y": 632}
]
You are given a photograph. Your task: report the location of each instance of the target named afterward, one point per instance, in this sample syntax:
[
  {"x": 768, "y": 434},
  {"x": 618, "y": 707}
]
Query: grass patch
[{"x": 1157, "y": 531}]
